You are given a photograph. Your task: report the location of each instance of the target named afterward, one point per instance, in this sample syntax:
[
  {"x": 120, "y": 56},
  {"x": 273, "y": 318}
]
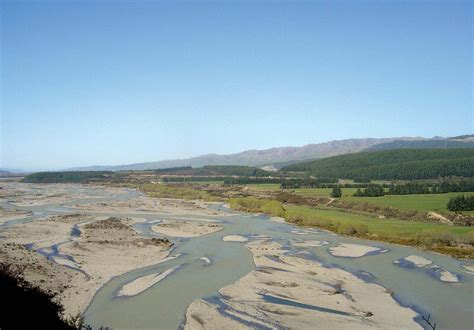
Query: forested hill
[
  {"x": 463, "y": 141},
  {"x": 401, "y": 164}
]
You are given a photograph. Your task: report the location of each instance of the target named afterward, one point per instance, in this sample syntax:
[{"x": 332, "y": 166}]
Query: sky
[{"x": 108, "y": 83}]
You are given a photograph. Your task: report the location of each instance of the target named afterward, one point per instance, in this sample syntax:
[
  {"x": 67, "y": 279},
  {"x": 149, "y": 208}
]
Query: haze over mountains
[{"x": 287, "y": 155}]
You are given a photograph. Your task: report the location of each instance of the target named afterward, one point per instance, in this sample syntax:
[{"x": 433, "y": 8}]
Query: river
[{"x": 164, "y": 304}]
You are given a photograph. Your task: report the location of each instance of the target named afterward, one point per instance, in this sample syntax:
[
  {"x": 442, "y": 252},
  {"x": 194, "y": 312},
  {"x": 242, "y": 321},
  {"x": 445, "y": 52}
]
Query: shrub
[
  {"x": 461, "y": 203},
  {"x": 346, "y": 229},
  {"x": 434, "y": 236},
  {"x": 273, "y": 208},
  {"x": 361, "y": 229},
  {"x": 468, "y": 238}
]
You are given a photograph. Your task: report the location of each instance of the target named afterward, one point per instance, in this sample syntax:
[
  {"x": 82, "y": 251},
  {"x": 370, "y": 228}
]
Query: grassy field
[
  {"x": 422, "y": 202},
  {"x": 380, "y": 227},
  {"x": 452, "y": 240},
  {"x": 306, "y": 192},
  {"x": 309, "y": 192},
  {"x": 429, "y": 202}
]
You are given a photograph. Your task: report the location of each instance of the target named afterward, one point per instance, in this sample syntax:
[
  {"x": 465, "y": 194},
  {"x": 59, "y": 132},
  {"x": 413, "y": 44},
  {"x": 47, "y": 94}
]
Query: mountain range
[{"x": 278, "y": 157}]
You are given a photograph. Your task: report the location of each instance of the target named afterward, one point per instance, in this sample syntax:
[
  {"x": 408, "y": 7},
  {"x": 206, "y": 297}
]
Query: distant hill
[
  {"x": 399, "y": 164},
  {"x": 464, "y": 141},
  {"x": 257, "y": 157},
  {"x": 282, "y": 156},
  {"x": 4, "y": 173}
]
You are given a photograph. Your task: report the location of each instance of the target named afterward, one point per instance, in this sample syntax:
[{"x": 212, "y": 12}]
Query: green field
[
  {"x": 306, "y": 192},
  {"x": 421, "y": 202},
  {"x": 316, "y": 192},
  {"x": 379, "y": 227},
  {"x": 429, "y": 202}
]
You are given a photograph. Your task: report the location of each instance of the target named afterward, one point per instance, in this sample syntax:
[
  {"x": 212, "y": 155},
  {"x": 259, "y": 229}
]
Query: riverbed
[{"x": 205, "y": 264}]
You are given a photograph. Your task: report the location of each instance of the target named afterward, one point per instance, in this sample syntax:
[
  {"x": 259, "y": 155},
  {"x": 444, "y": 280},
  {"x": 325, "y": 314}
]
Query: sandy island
[
  {"x": 468, "y": 268},
  {"x": 143, "y": 283},
  {"x": 352, "y": 250},
  {"x": 179, "y": 228},
  {"x": 291, "y": 292},
  {"x": 234, "y": 238},
  {"x": 417, "y": 261}
]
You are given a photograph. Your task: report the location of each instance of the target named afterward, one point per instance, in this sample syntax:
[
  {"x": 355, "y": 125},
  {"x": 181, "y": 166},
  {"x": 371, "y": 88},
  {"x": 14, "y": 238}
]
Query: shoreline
[{"x": 367, "y": 237}]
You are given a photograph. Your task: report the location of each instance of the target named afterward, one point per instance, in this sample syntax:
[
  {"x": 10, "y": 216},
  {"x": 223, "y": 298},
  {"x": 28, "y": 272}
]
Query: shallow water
[{"x": 164, "y": 304}]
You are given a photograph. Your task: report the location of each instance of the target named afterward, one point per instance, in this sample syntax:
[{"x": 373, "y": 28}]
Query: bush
[
  {"x": 434, "y": 236},
  {"x": 347, "y": 229},
  {"x": 336, "y": 192},
  {"x": 273, "y": 208},
  {"x": 461, "y": 203},
  {"x": 468, "y": 238},
  {"x": 351, "y": 230},
  {"x": 361, "y": 229}
]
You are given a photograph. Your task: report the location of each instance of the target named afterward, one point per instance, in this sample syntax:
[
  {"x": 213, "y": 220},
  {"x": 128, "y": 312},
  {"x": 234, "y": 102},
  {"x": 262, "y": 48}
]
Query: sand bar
[
  {"x": 352, "y": 250},
  {"x": 143, "y": 283},
  {"x": 234, "y": 238},
  {"x": 180, "y": 228},
  {"x": 292, "y": 292}
]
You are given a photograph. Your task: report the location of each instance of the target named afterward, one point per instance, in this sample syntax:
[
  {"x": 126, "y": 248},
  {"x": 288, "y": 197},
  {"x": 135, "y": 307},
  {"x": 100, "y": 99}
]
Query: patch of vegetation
[
  {"x": 372, "y": 190},
  {"x": 430, "y": 235},
  {"x": 420, "y": 202},
  {"x": 173, "y": 169},
  {"x": 257, "y": 205},
  {"x": 401, "y": 164},
  {"x": 336, "y": 192},
  {"x": 180, "y": 192},
  {"x": 67, "y": 177},
  {"x": 308, "y": 183},
  {"x": 433, "y": 236},
  {"x": 461, "y": 203}
]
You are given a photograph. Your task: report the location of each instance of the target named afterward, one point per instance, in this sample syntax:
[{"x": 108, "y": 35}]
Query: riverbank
[{"x": 456, "y": 241}]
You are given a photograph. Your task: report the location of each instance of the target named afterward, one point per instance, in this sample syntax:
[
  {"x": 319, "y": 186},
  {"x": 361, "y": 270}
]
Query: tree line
[
  {"x": 410, "y": 188},
  {"x": 66, "y": 176},
  {"x": 444, "y": 186}
]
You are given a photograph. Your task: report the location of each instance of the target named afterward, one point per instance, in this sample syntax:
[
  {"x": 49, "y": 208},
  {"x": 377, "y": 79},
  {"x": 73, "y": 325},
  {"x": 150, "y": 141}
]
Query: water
[{"x": 164, "y": 304}]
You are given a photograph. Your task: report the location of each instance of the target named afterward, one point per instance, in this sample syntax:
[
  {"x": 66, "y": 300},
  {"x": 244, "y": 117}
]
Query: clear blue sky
[{"x": 89, "y": 82}]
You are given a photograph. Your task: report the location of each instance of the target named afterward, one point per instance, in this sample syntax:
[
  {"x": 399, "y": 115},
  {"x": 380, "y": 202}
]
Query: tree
[
  {"x": 461, "y": 203},
  {"x": 358, "y": 193},
  {"x": 336, "y": 192}
]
